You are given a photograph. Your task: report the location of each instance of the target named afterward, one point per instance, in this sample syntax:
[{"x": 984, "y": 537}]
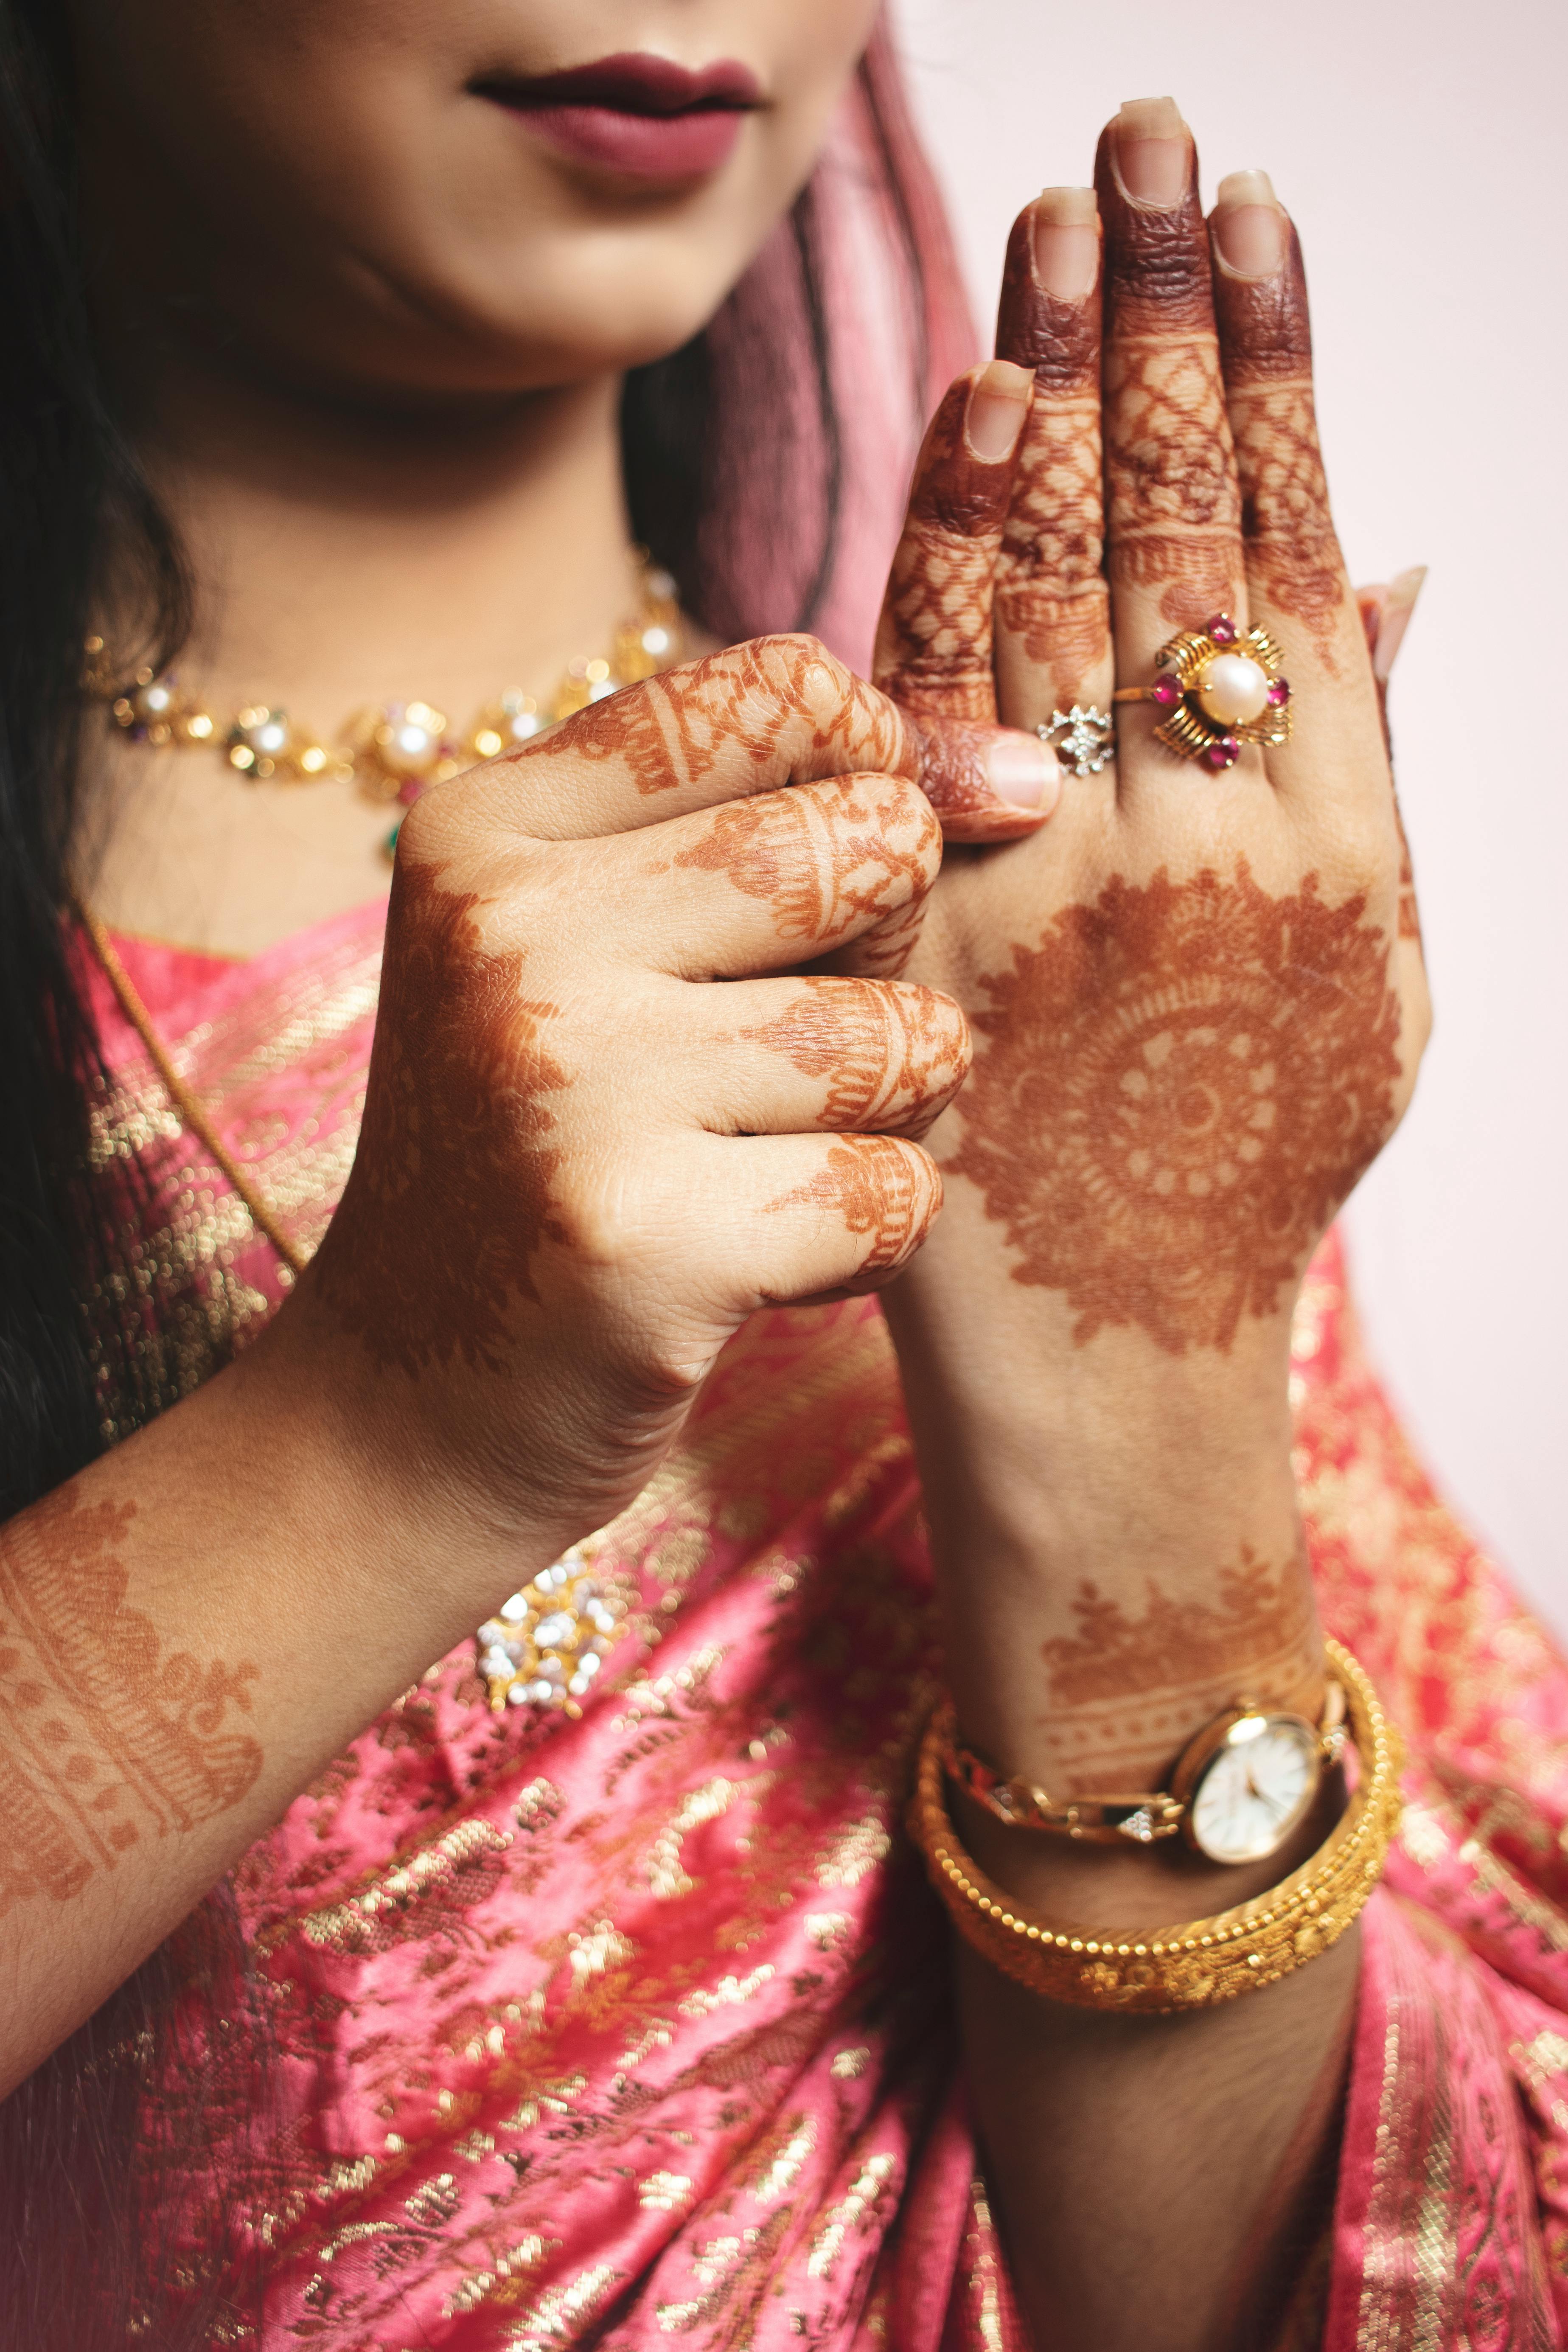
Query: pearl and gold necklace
[{"x": 392, "y": 753}]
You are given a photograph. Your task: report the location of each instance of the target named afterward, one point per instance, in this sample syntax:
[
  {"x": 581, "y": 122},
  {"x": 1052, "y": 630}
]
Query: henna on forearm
[
  {"x": 112, "y": 1736},
  {"x": 1130, "y": 1684}
]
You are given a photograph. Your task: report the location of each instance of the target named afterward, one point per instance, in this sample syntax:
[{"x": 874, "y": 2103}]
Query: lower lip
[{"x": 642, "y": 146}]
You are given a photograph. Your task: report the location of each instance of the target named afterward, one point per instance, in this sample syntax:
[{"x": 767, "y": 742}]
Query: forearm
[
  {"x": 193, "y": 1627},
  {"x": 1119, "y": 1555}
]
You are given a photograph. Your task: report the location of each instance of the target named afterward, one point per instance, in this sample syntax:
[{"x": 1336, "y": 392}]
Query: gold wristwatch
[{"x": 1241, "y": 1789}]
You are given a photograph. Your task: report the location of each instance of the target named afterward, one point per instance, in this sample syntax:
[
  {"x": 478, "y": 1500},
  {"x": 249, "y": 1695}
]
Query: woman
[{"x": 620, "y": 2010}]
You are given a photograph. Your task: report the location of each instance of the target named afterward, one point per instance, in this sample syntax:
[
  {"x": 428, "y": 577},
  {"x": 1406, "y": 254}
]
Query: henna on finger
[
  {"x": 934, "y": 641},
  {"x": 886, "y": 1191},
  {"x": 1053, "y": 612},
  {"x": 1293, "y": 554},
  {"x": 893, "y": 1055},
  {"x": 848, "y": 856},
  {"x": 1174, "y": 507},
  {"x": 773, "y": 710}
]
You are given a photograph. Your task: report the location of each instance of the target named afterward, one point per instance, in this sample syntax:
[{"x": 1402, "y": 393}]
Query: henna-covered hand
[
  {"x": 1199, "y": 1007},
  {"x": 1198, "y": 998},
  {"x": 603, "y": 1124}
]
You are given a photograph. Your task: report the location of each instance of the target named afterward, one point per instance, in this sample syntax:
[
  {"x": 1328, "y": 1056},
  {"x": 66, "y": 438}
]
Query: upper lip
[{"x": 635, "y": 82}]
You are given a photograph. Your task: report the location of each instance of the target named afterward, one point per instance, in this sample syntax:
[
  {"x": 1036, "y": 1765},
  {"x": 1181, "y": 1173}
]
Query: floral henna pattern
[
  {"x": 881, "y": 1188},
  {"x": 1183, "y": 1083},
  {"x": 750, "y": 703},
  {"x": 449, "y": 1198},
  {"x": 108, "y": 1738},
  {"x": 934, "y": 642},
  {"x": 1293, "y": 554},
  {"x": 893, "y": 1056},
  {"x": 856, "y": 849},
  {"x": 1115, "y": 1705}
]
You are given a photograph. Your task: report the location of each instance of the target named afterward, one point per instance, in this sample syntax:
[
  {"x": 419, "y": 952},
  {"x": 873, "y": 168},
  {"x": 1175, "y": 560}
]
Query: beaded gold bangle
[{"x": 1206, "y": 1960}]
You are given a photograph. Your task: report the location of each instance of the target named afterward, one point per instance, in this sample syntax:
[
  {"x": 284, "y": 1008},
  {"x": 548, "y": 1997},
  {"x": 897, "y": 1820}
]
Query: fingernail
[
  {"x": 1153, "y": 150},
  {"x": 1248, "y": 224},
  {"x": 1022, "y": 770},
  {"x": 999, "y": 404},
  {"x": 1067, "y": 242}
]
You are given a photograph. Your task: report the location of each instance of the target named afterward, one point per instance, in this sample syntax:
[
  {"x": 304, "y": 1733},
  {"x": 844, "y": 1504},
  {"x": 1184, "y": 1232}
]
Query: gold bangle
[{"x": 1204, "y": 1961}]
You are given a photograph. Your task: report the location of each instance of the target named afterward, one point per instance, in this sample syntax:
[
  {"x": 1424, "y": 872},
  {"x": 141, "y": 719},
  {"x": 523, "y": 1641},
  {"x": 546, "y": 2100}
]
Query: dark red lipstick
[{"x": 638, "y": 114}]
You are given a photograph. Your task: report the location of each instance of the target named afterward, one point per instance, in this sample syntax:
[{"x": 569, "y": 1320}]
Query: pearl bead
[{"x": 1233, "y": 690}]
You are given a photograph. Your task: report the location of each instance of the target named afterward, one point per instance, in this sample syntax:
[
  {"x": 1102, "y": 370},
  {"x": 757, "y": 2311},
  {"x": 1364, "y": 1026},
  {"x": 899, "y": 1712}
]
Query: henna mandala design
[
  {"x": 848, "y": 847},
  {"x": 107, "y": 1739},
  {"x": 449, "y": 1198},
  {"x": 1183, "y": 1082},
  {"x": 893, "y": 1055},
  {"x": 881, "y": 1188},
  {"x": 753, "y": 702}
]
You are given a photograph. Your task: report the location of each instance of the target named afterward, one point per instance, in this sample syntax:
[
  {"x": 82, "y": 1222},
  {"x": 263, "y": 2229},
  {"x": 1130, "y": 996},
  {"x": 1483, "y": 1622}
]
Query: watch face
[{"x": 1256, "y": 1788}]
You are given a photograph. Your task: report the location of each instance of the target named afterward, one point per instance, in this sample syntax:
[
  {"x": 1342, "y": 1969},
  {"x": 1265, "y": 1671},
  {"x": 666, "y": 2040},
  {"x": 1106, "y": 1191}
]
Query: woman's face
[{"x": 390, "y": 193}]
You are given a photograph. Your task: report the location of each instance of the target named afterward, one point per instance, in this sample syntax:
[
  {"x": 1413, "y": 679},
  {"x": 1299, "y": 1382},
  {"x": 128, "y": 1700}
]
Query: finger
[
  {"x": 780, "y": 879},
  {"x": 1385, "y": 616},
  {"x": 1053, "y": 611},
  {"x": 1172, "y": 505},
  {"x": 861, "y": 1056},
  {"x": 934, "y": 652},
  {"x": 775, "y": 711},
  {"x": 810, "y": 1216},
  {"x": 1399, "y": 603},
  {"x": 1298, "y": 588}
]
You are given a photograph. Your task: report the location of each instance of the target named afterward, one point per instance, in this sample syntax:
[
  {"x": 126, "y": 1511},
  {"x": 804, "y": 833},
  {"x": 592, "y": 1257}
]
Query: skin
[
  {"x": 1199, "y": 1011},
  {"x": 375, "y": 376}
]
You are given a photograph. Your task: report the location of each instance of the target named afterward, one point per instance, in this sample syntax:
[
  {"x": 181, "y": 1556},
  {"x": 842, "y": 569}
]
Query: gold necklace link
[{"x": 396, "y": 752}]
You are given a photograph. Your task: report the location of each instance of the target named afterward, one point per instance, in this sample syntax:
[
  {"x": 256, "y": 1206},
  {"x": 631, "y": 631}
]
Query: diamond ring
[{"x": 1083, "y": 740}]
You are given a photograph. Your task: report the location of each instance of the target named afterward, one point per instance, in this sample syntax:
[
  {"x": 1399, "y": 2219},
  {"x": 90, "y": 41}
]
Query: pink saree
[{"x": 631, "y": 2029}]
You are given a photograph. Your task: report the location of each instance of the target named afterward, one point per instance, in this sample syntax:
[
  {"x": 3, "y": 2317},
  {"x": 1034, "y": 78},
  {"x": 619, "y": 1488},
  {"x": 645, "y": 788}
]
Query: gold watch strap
[
  {"x": 1142, "y": 1818},
  {"x": 1200, "y": 1961}
]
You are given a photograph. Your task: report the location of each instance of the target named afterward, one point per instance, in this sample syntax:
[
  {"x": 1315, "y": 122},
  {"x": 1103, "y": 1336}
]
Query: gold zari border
[{"x": 1193, "y": 1965}]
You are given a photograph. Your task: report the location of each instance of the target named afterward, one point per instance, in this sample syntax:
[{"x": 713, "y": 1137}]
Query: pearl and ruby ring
[
  {"x": 1232, "y": 689},
  {"x": 1217, "y": 689}
]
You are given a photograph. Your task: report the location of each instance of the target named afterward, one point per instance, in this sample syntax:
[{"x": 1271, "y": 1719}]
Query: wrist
[{"x": 395, "y": 1525}]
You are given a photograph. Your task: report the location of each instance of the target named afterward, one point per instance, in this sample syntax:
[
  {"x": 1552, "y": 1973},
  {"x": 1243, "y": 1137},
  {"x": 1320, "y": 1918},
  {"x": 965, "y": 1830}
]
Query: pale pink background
[{"x": 1421, "y": 149}]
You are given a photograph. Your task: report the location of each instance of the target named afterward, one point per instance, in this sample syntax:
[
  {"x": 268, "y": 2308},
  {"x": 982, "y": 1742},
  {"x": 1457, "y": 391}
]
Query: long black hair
[{"x": 744, "y": 413}]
